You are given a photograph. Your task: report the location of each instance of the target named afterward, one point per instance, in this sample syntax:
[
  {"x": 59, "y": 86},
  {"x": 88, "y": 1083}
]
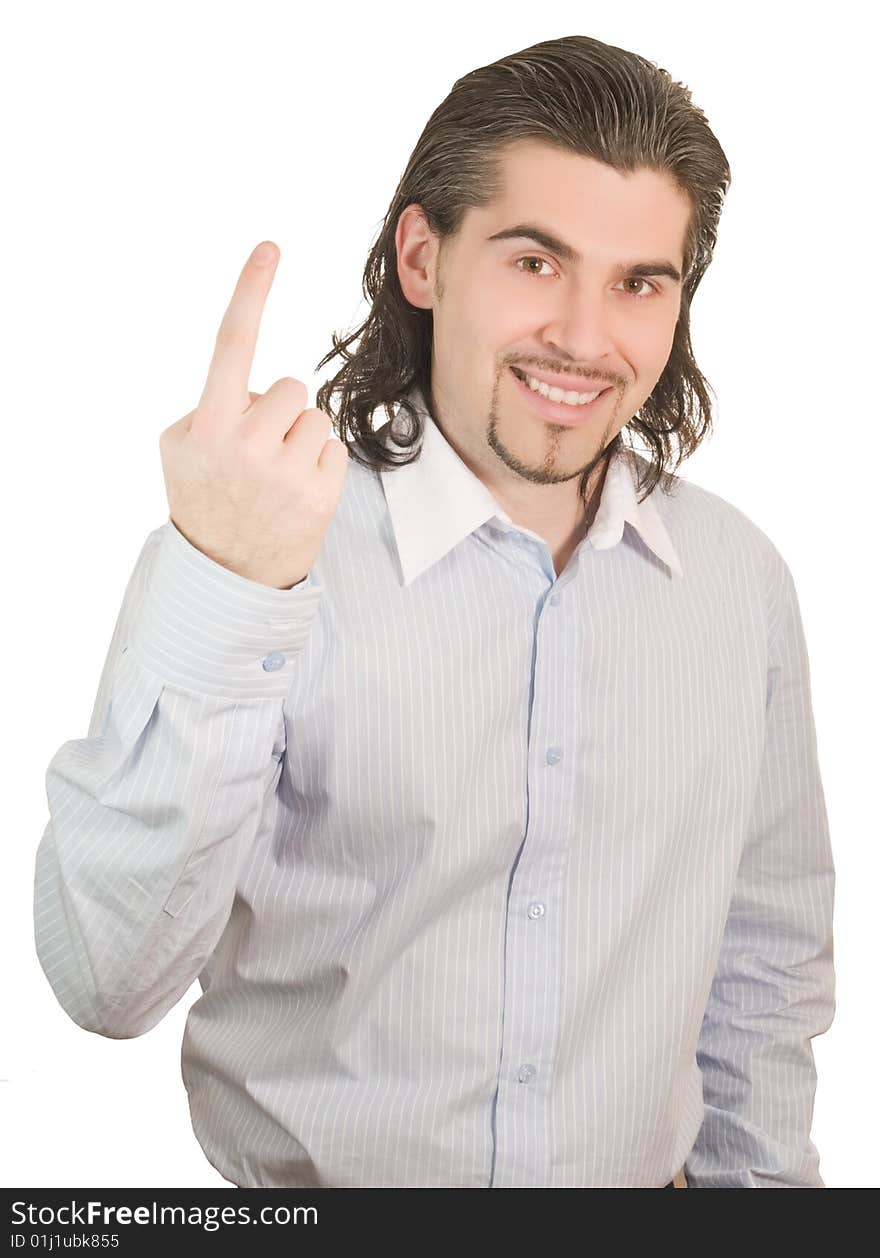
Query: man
[{"x": 480, "y": 792}]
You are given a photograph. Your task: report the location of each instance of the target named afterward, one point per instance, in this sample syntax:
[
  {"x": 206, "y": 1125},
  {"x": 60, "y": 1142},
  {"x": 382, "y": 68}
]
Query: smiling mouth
[{"x": 521, "y": 375}]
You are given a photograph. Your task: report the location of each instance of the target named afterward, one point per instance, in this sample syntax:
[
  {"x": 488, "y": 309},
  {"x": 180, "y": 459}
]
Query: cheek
[
  {"x": 490, "y": 319},
  {"x": 664, "y": 339},
  {"x": 649, "y": 348},
  {"x": 484, "y": 333}
]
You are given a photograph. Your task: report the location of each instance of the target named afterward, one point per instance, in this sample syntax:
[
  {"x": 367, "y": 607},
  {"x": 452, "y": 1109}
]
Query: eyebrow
[{"x": 541, "y": 236}]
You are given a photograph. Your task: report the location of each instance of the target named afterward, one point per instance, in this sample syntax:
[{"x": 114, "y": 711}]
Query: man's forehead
[{"x": 524, "y": 204}]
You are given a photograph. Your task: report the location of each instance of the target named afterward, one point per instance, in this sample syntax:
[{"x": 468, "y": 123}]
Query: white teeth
[{"x": 568, "y": 396}]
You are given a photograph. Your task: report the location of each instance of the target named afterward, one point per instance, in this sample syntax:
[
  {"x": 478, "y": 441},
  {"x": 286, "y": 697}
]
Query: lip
[
  {"x": 578, "y": 384},
  {"x": 559, "y": 412}
]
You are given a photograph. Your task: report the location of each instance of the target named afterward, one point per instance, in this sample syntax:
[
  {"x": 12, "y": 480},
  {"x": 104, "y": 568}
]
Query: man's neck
[{"x": 562, "y": 531}]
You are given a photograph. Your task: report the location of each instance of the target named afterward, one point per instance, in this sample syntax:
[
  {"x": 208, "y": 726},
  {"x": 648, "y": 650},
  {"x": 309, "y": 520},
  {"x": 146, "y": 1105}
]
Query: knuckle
[
  {"x": 171, "y": 435},
  {"x": 199, "y": 433},
  {"x": 251, "y": 443},
  {"x": 290, "y": 388},
  {"x": 205, "y": 422},
  {"x": 253, "y": 431}
]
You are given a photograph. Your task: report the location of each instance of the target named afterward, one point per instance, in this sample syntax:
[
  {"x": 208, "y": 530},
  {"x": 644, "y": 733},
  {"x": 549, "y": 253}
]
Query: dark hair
[{"x": 585, "y": 97}]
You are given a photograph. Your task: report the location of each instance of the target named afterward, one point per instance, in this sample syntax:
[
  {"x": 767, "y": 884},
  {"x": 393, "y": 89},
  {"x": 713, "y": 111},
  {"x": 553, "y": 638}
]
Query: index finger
[{"x": 228, "y": 374}]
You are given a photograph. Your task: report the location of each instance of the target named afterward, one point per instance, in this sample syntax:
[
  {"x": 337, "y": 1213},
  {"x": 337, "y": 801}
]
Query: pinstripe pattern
[{"x": 498, "y": 879}]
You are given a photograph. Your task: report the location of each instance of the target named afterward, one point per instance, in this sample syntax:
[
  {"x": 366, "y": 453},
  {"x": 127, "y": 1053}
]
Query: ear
[{"x": 416, "y": 248}]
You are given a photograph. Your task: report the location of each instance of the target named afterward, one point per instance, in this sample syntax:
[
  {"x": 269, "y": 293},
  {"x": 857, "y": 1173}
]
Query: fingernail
[{"x": 264, "y": 253}]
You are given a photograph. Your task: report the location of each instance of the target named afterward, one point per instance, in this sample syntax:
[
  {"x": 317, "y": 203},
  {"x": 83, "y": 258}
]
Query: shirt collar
[{"x": 437, "y": 501}]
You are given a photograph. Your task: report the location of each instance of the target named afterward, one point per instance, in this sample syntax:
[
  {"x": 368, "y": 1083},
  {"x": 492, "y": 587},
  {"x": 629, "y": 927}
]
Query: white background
[{"x": 147, "y": 149}]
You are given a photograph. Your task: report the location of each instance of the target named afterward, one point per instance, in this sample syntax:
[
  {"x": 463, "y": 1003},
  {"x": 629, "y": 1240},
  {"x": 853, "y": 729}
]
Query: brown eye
[
  {"x": 637, "y": 279},
  {"x": 531, "y": 258}
]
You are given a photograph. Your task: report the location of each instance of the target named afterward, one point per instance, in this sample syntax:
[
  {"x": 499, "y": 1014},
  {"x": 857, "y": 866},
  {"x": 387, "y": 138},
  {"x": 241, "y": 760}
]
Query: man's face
[{"x": 509, "y": 301}]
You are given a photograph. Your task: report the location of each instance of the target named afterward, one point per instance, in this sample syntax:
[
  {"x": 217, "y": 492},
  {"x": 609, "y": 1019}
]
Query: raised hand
[{"x": 252, "y": 479}]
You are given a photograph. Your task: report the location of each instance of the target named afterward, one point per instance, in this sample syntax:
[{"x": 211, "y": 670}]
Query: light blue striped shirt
[{"x": 490, "y": 877}]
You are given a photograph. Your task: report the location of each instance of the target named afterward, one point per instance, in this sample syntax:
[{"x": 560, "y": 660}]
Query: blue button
[
  {"x": 554, "y": 600},
  {"x": 526, "y": 1073},
  {"x": 273, "y": 662},
  {"x": 554, "y": 755}
]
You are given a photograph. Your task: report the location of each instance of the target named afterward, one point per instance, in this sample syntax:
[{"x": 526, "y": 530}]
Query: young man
[{"x": 475, "y": 780}]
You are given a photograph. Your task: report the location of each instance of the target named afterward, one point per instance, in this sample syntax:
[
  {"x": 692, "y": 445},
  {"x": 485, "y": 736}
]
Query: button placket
[{"x": 532, "y": 1009}]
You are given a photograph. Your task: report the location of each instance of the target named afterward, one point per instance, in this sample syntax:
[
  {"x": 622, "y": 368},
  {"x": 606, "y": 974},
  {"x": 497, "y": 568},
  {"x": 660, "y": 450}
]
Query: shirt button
[
  {"x": 554, "y": 755},
  {"x": 273, "y": 662},
  {"x": 526, "y": 1073},
  {"x": 554, "y": 600},
  {"x": 536, "y": 909}
]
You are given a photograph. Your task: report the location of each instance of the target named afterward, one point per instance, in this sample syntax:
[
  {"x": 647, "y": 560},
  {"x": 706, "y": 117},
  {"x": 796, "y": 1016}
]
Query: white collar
[{"x": 437, "y": 501}]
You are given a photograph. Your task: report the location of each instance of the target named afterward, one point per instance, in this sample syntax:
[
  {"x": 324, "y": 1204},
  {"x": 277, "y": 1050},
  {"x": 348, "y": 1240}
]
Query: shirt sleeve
[
  {"x": 153, "y": 813},
  {"x": 773, "y": 989}
]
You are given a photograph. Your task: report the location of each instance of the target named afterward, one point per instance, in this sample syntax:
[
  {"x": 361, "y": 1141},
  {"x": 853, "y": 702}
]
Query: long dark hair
[{"x": 585, "y": 97}]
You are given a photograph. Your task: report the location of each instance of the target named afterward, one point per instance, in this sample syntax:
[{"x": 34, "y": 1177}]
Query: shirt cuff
[{"x": 207, "y": 629}]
